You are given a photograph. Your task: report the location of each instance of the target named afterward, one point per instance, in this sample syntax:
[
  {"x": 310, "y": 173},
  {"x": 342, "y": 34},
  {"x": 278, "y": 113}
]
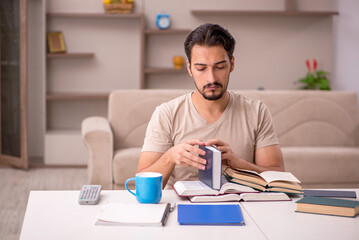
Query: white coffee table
[
  {"x": 57, "y": 215},
  {"x": 278, "y": 220}
]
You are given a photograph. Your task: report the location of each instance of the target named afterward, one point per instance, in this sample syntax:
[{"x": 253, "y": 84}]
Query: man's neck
[{"x": 211, "y": 111}]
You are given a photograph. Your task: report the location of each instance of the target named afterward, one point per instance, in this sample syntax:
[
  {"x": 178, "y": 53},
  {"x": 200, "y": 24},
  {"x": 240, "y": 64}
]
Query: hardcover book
[
  {"x": 194, "y": 214},
  {"x": 329, "y": 193},
  {"x": 213, "y": 173},
  {"x": 328, "y": 206},
  {"x": 268, "y": 181}
]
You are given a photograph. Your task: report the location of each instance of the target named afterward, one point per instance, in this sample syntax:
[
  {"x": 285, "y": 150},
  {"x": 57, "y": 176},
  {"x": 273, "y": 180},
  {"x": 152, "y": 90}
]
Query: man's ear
[
  {"x": 232, "y": 64},
  {"x": 189, "y": 68}
]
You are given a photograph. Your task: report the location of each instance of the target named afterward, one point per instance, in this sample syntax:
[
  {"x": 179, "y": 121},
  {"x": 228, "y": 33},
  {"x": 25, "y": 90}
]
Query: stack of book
[
  {"x": 268, "y": 181},
  {"x": 215, "y": 185},
  {"x": 329, "y": 202}
]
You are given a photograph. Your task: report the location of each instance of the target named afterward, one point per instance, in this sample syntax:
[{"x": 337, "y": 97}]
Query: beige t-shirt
[{"x": 246, "y": 125}]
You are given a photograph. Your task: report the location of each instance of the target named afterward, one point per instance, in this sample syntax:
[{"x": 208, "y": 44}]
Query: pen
[
  {"x": 165, "y": 215},
  {"x": 173, "y": 206}
]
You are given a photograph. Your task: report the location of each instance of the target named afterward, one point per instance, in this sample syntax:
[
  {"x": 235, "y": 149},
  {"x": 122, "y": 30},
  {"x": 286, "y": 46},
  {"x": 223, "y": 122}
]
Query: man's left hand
[{"x": 228, "y": 156}]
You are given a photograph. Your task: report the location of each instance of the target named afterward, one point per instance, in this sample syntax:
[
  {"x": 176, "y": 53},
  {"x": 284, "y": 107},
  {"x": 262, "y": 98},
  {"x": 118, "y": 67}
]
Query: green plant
[{"x": 315, "y": 80}]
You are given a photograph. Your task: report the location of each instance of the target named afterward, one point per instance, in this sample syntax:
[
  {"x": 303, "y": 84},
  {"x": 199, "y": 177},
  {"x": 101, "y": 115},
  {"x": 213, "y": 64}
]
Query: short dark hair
[{"x": 210, "y": 35}]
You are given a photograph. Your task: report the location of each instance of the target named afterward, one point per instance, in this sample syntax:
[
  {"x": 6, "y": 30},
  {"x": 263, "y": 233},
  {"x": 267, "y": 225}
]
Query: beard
[{"x": 212, "y": 96}]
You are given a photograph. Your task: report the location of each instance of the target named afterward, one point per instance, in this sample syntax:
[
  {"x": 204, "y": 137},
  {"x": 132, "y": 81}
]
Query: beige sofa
[{"x": 317, "y": 130}]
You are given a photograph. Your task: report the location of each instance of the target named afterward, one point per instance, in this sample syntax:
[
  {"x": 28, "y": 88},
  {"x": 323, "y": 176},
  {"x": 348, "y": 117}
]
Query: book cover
[
  {"x": 213, "y": 173},
  {"x": 194, "y": 214},
  {"x": 329, "y": 206},
  {"x": 329, "y": 193}
]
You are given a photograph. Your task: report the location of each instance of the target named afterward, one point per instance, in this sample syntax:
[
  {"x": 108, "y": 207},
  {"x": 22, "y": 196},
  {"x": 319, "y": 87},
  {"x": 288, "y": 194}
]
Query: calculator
[{"x": 89, "y": 194}]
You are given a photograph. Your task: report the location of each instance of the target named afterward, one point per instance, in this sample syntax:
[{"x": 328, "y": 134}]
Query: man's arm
[
  {"x": 265, "y": 159},
  {"x": 185, "y": 154}
]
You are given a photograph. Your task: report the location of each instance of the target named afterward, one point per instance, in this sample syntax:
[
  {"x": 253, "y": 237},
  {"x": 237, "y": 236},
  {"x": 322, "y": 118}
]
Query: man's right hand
[{"x": 186, "y": 154}]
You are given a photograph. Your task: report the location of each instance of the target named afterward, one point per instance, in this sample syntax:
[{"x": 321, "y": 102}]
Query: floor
[{"x": 15, "y": 186}]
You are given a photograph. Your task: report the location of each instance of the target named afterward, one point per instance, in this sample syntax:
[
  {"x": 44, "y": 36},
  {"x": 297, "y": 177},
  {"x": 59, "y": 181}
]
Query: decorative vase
[{"x": 178, "y": 62}]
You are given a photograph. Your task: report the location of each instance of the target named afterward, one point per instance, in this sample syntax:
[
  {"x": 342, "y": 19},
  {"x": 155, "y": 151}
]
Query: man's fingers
[
  {"x": 194, "y": 161},
  {"x": 195, "y": 142},
  {"x": 223, "y": 149},
  {"x": 194, "y": 149},
  {"x": 215, "y": 142},
  {"x": 195, "y": 158}
]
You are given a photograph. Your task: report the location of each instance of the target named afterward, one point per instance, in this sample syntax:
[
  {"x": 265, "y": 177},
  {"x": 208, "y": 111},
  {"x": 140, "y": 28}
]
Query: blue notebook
[{"x": 194, "y": 214}]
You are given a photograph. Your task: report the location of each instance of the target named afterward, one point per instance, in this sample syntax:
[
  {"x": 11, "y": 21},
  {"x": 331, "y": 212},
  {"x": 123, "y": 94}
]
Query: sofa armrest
[{"x": 98, "y": 138}]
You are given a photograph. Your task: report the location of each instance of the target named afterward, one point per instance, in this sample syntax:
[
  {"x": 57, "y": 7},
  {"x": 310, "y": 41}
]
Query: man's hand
[
  {"x": 265, "y": 159},
  {"x": 228, "y": 156},
  {"x": 186, "y": 154}
]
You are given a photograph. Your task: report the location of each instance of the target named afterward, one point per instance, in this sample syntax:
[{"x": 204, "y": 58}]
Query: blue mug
[{"x": 148, "y": 187}]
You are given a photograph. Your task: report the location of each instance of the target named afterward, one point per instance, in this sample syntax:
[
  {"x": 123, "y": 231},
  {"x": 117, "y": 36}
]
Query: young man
[{"x": 240, "y": 127}]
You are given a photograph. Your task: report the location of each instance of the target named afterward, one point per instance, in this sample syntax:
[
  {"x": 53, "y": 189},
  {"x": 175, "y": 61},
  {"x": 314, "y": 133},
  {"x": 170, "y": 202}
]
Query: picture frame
[{"x": 55, "y": 42}]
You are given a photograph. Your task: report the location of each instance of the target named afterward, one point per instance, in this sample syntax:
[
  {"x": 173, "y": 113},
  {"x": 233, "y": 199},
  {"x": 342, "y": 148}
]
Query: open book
[
  {"x": 198, "y": 188},
  {"x": 135, "y": 214},
  {"x": 270, "y": 181},
  {"x": 246, "y": 197}
]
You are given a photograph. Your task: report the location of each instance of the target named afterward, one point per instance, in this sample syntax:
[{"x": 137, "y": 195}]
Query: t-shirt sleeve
[
  {"x": 158, "y": 133},
  {"x": 265, "y": 135}
]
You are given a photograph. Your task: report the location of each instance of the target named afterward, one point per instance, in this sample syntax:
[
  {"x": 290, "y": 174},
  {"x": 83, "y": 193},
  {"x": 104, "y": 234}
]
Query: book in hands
[
  {"x": 194, "y": 214},
  {"x": 328, "y": 206},
  {"x": 122, "y": 214},
  {"x": 198, "y": 188},
  {"x": 268, "y": 181},
  {"x": 213, "y": 172}
]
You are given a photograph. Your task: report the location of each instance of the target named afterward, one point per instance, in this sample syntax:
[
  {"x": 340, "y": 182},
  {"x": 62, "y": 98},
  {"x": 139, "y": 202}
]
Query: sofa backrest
[{"x": 301, "y": 118}]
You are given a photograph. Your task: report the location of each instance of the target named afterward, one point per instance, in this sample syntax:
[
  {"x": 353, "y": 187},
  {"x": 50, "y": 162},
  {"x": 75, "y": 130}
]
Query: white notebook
[{"x": 136, "y": 214}]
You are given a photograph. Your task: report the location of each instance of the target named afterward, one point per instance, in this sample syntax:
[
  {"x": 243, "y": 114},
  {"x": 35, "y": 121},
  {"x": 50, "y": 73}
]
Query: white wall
[
  {"x": 346, "y": 46},
  {"x": 271, "y": 51}
]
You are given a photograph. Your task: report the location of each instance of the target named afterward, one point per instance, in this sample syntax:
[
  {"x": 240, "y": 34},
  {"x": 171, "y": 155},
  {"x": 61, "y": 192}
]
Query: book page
[
  {"x": 191, "y": 188},
  {"x": 271, "y": 176},
  {"x": 246, "y": 175},
  {"x": 219, "y": 198},
  {"x": 229, "y": 187}
]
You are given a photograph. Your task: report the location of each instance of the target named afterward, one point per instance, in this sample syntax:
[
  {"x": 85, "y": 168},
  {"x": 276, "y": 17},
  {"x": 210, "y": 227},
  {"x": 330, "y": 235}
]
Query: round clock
[{"x": 163, "y": 21}]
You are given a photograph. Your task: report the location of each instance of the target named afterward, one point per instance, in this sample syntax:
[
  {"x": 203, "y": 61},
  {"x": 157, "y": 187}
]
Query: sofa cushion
[
  {"x": 312, "y": 118},
  {"x": 129, "y": 112},
  {"x": 301, "y": 118},
  {"x": 322, "y": 164},
  {"x": 125, "y": 165}
]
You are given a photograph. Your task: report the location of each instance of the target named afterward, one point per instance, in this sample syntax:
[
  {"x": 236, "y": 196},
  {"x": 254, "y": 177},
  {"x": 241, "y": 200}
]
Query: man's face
[{"x": 210, "y": 68}]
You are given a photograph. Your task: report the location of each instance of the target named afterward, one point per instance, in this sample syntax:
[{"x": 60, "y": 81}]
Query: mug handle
[{"x": 130, "y": 179}]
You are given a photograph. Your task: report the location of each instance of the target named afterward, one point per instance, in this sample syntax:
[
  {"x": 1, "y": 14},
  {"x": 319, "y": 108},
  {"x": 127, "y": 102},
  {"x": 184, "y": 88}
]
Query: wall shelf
[
  {"x": 70, "y": 55},
  {"x": 264, "y": 13},
  {"x": 151, "y": 70},
  {"x": 94, "y": 15},
  {"x": 76, "y": 96},
  {"x": 164, "y": 32}
]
